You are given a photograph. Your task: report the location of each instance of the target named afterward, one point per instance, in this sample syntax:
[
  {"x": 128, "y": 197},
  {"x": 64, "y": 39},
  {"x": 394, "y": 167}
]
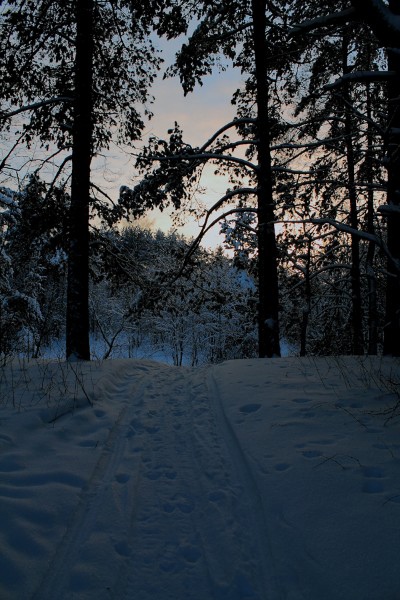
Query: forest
[{"x": 310, "y": 219}]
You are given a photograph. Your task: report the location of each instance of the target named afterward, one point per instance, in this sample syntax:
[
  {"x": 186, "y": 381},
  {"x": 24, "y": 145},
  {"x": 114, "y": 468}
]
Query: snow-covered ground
[{"x": 253, "y": 479}]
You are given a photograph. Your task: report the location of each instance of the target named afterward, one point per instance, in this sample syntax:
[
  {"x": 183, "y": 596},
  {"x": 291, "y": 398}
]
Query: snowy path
[
  {"x": 172, "y": 479},
  {"x": 248, "y": 480}
]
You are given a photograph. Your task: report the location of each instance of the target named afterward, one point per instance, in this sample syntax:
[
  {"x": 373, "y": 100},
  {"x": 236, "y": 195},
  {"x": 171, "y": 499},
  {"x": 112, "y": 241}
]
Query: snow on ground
[{"x": 253, "y": 479}]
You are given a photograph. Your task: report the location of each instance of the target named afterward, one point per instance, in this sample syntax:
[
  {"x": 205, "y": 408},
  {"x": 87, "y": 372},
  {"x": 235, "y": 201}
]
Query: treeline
[
  {"x": 148, "y": 299},
  {"x": 140, "y": 305}
]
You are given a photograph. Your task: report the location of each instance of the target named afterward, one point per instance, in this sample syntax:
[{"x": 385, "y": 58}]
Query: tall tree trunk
[
  {"x": 307, "y": 309},
  {"x": 268, "y": 299},
  {"x": 77, "y": 335},
  {"x": 355, "y": 274},
  {"x": 391, "y": 343},
  {"x": 371, "y": 277}
]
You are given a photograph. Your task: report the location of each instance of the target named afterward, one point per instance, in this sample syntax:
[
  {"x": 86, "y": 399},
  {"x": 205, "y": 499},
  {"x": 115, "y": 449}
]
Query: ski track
[
  {"x": 169, "y": 498},
  {"x": 98, "y": 502}
]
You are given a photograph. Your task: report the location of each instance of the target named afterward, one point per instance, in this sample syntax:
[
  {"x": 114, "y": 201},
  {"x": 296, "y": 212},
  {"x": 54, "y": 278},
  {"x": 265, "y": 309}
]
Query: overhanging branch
[
  {"x": 361, "y": 77},
  {"x": 58, "y": 100},
  {"x": 336, "y": 18}
]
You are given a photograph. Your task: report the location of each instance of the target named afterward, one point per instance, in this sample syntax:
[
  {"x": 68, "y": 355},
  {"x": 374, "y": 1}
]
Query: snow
[{"x": 252, "y": 479}]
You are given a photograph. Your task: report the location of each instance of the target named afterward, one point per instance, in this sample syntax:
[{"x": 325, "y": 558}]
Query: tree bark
[
  {"x": 77, "y": 327},
  {"x": 268, "y": 290}
]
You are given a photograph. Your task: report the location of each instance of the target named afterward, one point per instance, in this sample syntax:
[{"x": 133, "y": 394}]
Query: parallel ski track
[{"x": 175, "y": 454}]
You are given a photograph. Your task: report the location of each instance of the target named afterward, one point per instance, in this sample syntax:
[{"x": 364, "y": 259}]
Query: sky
[
  {"x": 199, "y": 114},
  {"x": 257, "y": 479}
]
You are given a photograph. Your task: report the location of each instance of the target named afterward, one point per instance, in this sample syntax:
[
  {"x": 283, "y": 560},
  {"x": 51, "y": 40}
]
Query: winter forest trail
[
  {"x": 249, "y": 480},
  {"x": 173, "y": 480}
]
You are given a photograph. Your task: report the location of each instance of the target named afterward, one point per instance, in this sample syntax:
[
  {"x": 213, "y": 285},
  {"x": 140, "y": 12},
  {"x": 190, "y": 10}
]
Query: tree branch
[
  {"x": 361, "y": 77},
  {"x": 205, "y": 156},
  {"x": 335, "y": 18},
  {"x": 58, "y": 100},
  {"x": 229, "y": 125},
  {"x": 384, "y": 23}
]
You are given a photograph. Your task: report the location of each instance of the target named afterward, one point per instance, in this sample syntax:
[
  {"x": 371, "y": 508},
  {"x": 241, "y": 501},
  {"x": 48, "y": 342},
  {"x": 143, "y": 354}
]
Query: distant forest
[{"x": 310, "y": 218}]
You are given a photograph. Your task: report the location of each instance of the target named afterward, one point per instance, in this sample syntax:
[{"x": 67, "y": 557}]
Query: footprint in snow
[
  {"x": 190, "y": 553},
  {"x": 311, "y": 453},
  {"x": 122, "y": 549},
  {"x": 282, "y": 467},
  {"x": 373, "y": 483},
  {"x": 182, "y": 502},
  {"x": 217, "y": 496},
  {"x": 373, "y": 472},
  {"x": 88, "y": 444},
  {"x": 373, "y": 487},
  {"x": 122, "y": 477},
  {"x": 249, "y": 408}
]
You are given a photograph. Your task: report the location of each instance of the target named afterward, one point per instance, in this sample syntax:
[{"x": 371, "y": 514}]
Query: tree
[
  {"x": 77, "y": 70},
  {"x": 249, "y": 35},
  {"x": 383, "y": 20},
  {"x": 335, "y": 103},
  {"x": 33, "y": 256}
]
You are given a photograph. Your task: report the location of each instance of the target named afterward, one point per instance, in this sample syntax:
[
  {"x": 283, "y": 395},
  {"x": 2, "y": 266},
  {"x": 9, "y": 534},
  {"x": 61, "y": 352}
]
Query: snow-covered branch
[
  {"x": 222, "y": 130},
  {"x": 335, "y": 18},
  {"x": 278, "y": 169},
  {"x": 7, "y": 198},
  {"x": 389, "y": 209},
  {"x": 383, "y": 21},
  {"x": 205, "y": 156},
  {"x": 307, "y": 145},
  {"x": 361, "y": 77},
  {"x": 58, "y": 100}
]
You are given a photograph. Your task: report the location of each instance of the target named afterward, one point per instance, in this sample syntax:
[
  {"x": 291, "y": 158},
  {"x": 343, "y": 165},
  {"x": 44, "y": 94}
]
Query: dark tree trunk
[
  {"x": 355, "y": 274},
  {"x": 268, "y": 300},
  {"x": 77, "y": 335},
  {"x": 371, "y": 277},
  {"x": 307, "y": 310},
  {"x": 391, "y": 344}
]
